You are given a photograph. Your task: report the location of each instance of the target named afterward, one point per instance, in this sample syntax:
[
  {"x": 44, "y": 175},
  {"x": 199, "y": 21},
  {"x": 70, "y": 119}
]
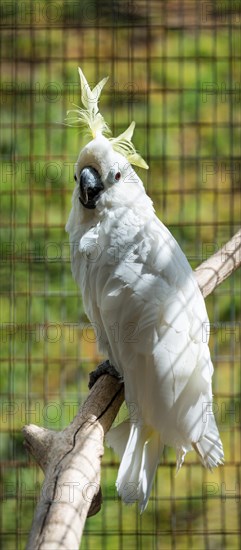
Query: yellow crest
[{"x": 91, "y": 118}]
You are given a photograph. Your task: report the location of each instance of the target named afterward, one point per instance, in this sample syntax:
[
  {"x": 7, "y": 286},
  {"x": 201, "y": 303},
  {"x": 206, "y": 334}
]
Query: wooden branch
[
  {"x": 216, "y": 269},
  {"x": 71, "y": 459}
]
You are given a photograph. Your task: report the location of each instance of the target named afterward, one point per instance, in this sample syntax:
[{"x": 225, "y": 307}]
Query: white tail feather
[
  {"x": 117, "y": 437},
  {"x": 209, "y": 448},
  {"x": 140, "y": 456}
]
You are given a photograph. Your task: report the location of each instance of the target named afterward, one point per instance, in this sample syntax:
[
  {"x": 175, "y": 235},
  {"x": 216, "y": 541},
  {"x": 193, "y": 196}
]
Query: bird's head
[
  {"x": 105, "y": 161},
  {"x": 101, "y": 171}
]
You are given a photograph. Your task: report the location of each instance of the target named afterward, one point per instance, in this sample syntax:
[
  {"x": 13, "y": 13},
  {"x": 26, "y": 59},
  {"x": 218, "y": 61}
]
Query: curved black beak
[{"x": 90, "y": 187}]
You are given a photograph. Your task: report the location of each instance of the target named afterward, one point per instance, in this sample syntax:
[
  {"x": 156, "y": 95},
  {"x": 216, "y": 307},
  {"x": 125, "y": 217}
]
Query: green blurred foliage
[{"x": 182, "y": 87}]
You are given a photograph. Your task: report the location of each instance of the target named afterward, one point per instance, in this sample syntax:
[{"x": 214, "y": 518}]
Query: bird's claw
[{"x": 103, "y": 368}]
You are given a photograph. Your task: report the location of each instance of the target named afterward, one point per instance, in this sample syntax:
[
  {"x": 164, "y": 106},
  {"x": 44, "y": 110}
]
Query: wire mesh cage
[{"x": 174, "y": 68}]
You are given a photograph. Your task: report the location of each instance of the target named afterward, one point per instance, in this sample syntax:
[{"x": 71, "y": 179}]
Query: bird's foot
[{"x": 103, "y": 368}]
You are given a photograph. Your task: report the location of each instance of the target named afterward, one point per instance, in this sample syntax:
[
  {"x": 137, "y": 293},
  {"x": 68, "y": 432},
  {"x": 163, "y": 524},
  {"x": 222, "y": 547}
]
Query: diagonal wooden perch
[
  {"x": 218, "y": 267},
  {"x": 71, "y": 459}
]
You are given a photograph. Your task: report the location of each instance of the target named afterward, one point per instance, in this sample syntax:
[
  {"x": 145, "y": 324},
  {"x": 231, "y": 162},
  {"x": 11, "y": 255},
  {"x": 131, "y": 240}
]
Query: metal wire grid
[{"x": 174, "y": 68}]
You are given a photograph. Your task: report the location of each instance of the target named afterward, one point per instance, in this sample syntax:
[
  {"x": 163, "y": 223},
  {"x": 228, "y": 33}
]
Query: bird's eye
[
  {"x": 75, "y": 177},
  {"x": 114, "y": 175}
]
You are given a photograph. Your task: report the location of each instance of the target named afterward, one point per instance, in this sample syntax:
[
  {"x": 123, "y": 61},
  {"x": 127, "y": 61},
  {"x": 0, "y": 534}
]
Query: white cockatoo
[{"x": 140, "y": 293}]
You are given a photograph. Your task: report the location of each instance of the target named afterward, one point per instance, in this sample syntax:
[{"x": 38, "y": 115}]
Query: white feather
[
  {"x": 140, "y": 290},
  {"x": 140, "y": 458}
]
